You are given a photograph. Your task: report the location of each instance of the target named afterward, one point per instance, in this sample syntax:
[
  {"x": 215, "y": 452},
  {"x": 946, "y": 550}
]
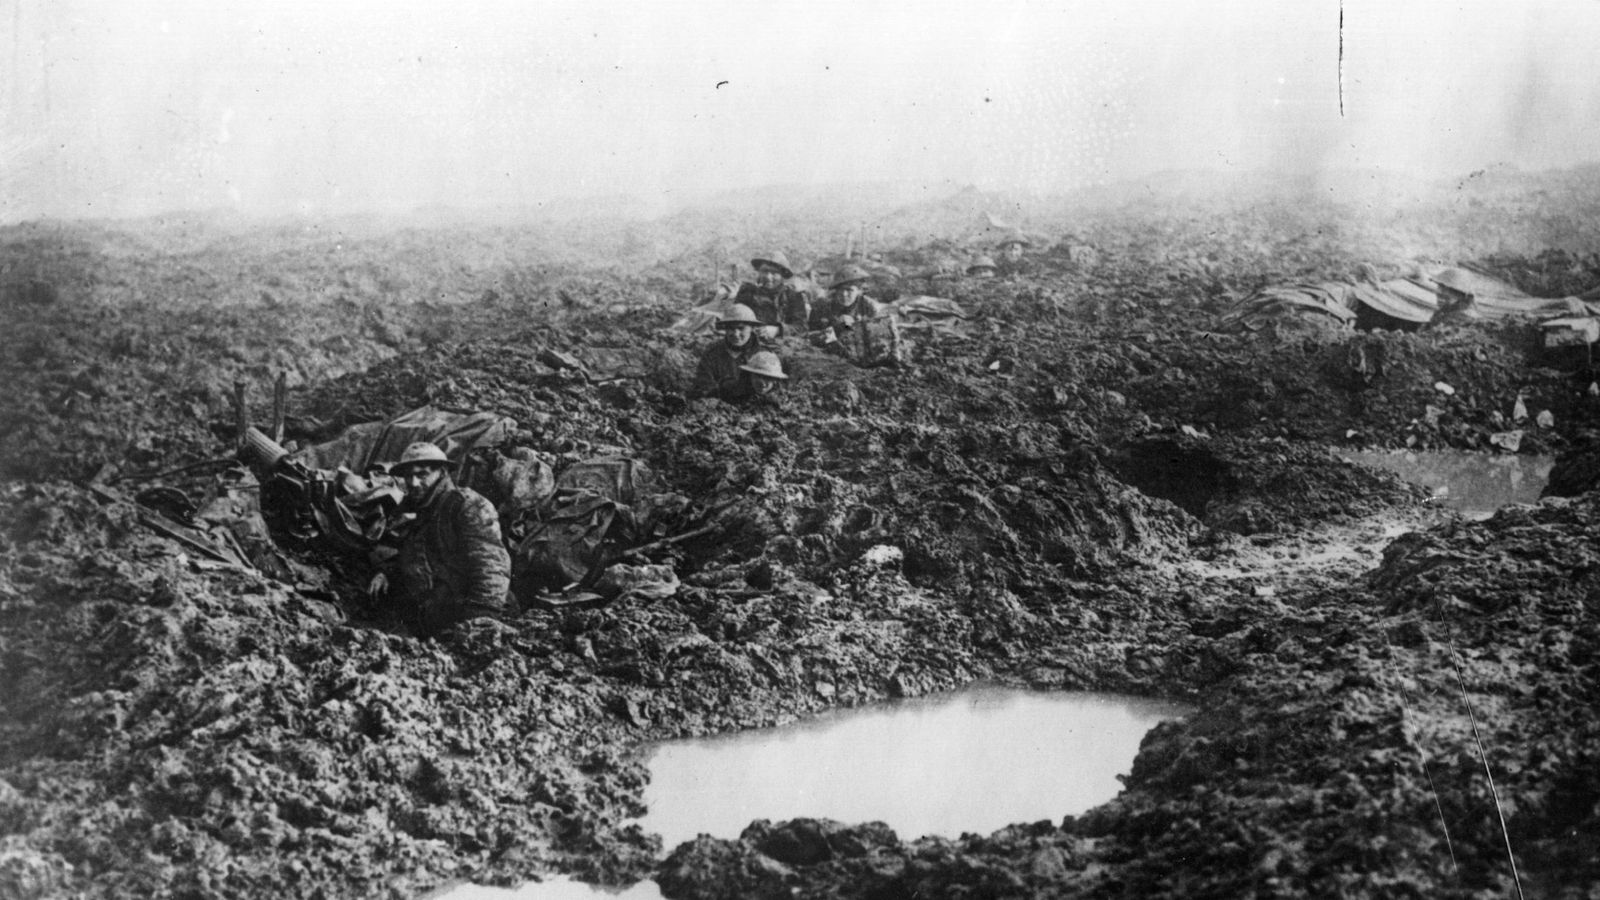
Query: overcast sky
[{"x": 124, "y": 107}]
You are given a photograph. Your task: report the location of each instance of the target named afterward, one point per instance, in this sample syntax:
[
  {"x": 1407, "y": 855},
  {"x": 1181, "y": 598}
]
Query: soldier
[
  {"x": 771, "y": 298},
  {"x": 1457, "y": 301},
  {"x": 982, "y": 267},
  {"x": 766, "y": 375},
  {"x": 719, "y": 373},
  {"x": 1011, "y": 248},
  {"x": 847, "y": 296},
  {"x": 858, "y": 327},
  {"x": 452, "y": 564}
]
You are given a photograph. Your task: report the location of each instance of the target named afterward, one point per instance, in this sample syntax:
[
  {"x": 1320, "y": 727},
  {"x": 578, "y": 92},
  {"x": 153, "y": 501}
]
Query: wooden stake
[
  {"x": 241, "y": 419},
  {"x": 280, "y": 405}
]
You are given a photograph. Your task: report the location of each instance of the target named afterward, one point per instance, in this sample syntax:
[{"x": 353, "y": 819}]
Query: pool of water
[
  {"x": 973, "y": 760},
  {"x": 549, "y": 889},
  {"x": 1473, "y": 484}
]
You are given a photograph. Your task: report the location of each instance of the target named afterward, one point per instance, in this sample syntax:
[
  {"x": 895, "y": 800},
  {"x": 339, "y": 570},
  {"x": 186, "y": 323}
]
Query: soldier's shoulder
[{"x": 475, "y": 506}]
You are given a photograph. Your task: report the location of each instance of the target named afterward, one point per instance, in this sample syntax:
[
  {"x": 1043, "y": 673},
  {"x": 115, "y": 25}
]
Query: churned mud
[{"x": 1088, "y": 485}]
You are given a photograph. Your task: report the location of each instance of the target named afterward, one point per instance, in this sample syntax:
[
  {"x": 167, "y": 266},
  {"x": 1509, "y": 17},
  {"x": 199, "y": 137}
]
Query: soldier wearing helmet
[
  {"x": 847, "y": 299},
  {"x": 855, "y": 326},
  {"x": 766, "y": 376},
  {"x": 1012, "y": 246},
  {"x": 719, "y": 373},
  {"x": 1457, "y": 298},
  {"x": 982, "y": 267},
  {"x": 773, "y": 300},
  {"x": 452, "y": 564},
  {"x": 1009, "y": 255}
]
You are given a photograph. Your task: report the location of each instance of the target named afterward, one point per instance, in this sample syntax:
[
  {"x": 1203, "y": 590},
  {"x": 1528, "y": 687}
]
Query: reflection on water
[
  {"x": 971, "y": 761},
  {"x": 550, "y": 889},
  {"x": 1473, "y": 484}
]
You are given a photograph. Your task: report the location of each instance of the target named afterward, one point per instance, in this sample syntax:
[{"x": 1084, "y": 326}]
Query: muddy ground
[{"x": 1091, "y": 486}]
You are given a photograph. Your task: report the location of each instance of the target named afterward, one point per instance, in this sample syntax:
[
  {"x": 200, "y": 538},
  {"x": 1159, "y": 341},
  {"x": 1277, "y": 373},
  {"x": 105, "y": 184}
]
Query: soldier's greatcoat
[{"x": 453, "y": 564}]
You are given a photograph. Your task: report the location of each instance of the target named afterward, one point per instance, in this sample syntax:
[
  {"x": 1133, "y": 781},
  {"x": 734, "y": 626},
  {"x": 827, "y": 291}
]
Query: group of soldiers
[
  {"x": 452, "y": 564},
  {"x": 743, "y": 365}
]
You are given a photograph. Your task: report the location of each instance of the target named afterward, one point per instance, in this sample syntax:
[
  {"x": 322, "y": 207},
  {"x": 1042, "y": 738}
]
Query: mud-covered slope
[
  {"x": 1053, "y": 477},
  {"x": 1389, "y": 738}
]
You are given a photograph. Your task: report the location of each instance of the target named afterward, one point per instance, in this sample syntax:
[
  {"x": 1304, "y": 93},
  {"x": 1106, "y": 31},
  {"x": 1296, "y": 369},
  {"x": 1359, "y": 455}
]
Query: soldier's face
[
  {"x": 737, "y": 335},
  {"x": 418, "y": 480},
  {"x": 1012, "y": 252},
  {"x": 846, "y": 296},
  {"x": 768, "y": 277},
  {"x": 763, "y": 386}
]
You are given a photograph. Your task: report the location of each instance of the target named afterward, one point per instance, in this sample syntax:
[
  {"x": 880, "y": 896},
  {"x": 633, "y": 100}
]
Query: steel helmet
[
  {"x": 1016, "y": 238},
  {"x": 775, "y": 258},
  {"x": 982, "y": 262},
  {"x": 848, "y": 274},
  {"x": 765, "y": 362},
  {"x": 738, "y": 314},
  {"x": 421, "y": 453},
  {"x": 1455, "y": 280}
]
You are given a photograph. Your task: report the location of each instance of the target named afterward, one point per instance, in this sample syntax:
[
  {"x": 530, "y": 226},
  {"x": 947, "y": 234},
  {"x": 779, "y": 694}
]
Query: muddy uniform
[
  {"x": 872, "y": 342},
  {"x": 783, "y": 306},
  {"x": 865, "y": 332},
  {"x": 719, "y": 375},
  {"x": 452, "y": 564},
  {"x": 826, "y": 313}
]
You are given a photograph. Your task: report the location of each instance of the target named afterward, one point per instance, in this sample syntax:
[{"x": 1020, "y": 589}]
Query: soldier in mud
[
  {"x": 1457, "y": 302},
  {"x": 854, "y": 325},
  {"x": 721, "y": 371},
  {"x": 774, "y": 301},
  {"x": 1011, "y": 260},
  {"x": 847, "y": 299},
  {"x": 452, "y": 565},
  {"x": 766, "y": 378}
]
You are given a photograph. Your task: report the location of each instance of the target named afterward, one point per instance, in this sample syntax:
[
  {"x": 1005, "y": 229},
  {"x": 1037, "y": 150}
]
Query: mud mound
[
  {"x": 1372, "y": 715},
  {"x": 1251, "y": 488},
  {"x": 1576, "y": 470}
]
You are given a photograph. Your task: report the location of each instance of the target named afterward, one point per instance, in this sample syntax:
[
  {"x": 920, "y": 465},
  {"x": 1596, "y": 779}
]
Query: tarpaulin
[
  {"x": 378, "y": 443},
  {"x": 1398, "y": 301}
]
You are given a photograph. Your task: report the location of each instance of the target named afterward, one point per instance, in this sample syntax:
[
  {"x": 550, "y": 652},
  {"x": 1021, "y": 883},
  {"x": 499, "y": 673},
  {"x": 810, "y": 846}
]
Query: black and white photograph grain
[{"x": 799, "y": 450}]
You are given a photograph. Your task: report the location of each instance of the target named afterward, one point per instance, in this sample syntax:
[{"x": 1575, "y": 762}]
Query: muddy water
[
  {"x": 552, "y": 889},
  {"x": 1474, "y": 484},
  {"x": 971, "y": 761},
  {"x": 974, "y": 760}
]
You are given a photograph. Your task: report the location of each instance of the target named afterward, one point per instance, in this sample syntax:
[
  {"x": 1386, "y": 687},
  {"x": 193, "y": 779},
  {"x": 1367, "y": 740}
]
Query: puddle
[
  {"x": 974, "y": 760},
  {"x": 971, "y": 761},
  {"x": 552, "y": 889},
  {"x": 1473, "y": 484}
]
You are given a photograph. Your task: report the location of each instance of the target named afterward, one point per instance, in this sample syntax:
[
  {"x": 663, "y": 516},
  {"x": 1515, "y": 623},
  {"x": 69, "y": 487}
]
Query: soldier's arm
[{"x": 488, "y": 565}]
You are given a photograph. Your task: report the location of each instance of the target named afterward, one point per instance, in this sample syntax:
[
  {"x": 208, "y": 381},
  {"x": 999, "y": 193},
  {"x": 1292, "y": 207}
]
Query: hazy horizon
[{"x": 118, "y": 110}]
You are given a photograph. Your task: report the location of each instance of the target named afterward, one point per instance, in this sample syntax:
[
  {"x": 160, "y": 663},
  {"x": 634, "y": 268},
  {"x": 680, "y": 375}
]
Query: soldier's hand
[{"x": 378, "y": 586}]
